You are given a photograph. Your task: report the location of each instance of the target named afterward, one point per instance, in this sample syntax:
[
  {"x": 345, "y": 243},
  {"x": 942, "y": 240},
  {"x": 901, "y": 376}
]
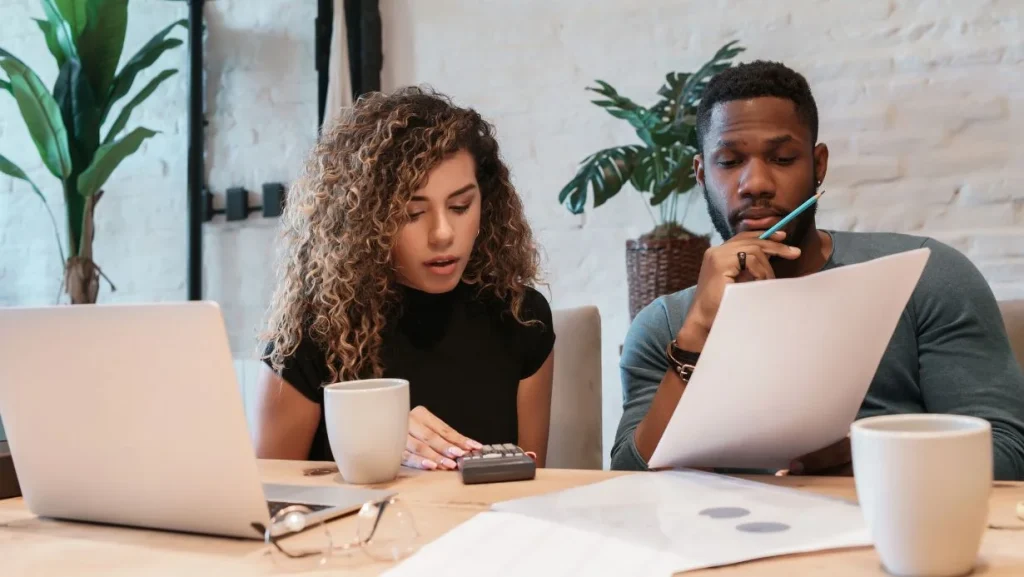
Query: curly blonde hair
[{"x": 336, "y": 282}]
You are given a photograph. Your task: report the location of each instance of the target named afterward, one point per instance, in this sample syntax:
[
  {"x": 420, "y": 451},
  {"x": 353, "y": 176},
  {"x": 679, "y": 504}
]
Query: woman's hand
[{"x": 432, "y": 444}]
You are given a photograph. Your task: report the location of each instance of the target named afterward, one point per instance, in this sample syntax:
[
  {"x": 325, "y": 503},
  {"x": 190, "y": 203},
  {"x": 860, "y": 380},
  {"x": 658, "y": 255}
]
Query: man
[{"x": 757, "y": 125}]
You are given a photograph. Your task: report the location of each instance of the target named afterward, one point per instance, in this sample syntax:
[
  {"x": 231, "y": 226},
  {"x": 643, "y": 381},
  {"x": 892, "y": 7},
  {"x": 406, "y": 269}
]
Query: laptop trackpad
[{"x": 337, "y": 496}]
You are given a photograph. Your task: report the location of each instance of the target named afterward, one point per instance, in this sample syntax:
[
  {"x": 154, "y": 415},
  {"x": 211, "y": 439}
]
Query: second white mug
[{"x": 923, "y": 482}]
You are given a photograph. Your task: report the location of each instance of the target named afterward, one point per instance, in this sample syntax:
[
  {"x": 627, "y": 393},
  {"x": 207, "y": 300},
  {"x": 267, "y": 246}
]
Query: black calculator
[{"x": 496, "y": 464}]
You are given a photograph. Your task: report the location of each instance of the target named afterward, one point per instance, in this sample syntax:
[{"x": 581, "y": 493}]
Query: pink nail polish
[
  {"x": 475, "y": 444},
  {"x": 456, "y": 452},
  {"x": 448, "y": 463},
  {"x": 429, "y": 465}
]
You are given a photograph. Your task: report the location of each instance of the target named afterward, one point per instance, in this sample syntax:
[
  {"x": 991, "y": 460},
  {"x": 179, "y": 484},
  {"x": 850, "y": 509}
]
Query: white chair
[{"x": 574, "y": 441}]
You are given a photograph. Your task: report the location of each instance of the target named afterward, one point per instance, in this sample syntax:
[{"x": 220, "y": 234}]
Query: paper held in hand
[{"x": 787, "y": 364}]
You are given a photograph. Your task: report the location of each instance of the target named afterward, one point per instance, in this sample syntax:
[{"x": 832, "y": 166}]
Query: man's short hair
[{"x": 753, "y": 80}]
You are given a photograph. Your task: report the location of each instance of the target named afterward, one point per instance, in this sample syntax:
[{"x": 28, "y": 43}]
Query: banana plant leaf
[
  {"x": 126, "y": 111},
  {"x": 101, "y": 43},
  {"x": 74, "y": 95},
  {"x": 142, "y": 59},
  {"x": 41, "y": 115},
  {"x": 63, "y": 35},
  {"x": 50, "y": 35},
  {"x": 74, "y": 13},
  {"x": 107, "y": 158}
]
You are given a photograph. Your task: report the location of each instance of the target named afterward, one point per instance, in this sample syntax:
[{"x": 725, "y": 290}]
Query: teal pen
[{"x": 791, "y": 216}]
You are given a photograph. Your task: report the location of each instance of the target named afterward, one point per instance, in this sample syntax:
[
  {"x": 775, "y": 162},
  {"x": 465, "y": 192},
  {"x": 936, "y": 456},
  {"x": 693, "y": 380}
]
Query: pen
[{"x": 791, "y": 216}]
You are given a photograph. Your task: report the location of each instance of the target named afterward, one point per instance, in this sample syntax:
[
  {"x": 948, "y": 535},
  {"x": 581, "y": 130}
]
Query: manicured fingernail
[
  {"x": 429, "y": 465},
  {"x": 456, "y": 452},
  {"x": 448, "y": 463},
  {"x": 474, "y": 444},
  {"x": 794, "y": 249}
]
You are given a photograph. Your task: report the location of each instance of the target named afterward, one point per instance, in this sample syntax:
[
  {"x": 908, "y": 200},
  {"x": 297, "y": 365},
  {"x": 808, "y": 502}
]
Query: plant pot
[{"x": 661, "y": 266}]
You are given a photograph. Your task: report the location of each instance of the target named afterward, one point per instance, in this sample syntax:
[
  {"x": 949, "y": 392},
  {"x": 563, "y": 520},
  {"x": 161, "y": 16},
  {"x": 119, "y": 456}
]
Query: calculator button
[
  {"x": 492, "y": 456},
  {"x": 509, "y": 447},
  {"x": 487, "y": 449}
]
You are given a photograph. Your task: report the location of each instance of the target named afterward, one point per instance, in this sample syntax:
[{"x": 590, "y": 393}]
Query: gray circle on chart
[
  {"x": 763, "y": 527},
  {"x": 725, "y": 512}
]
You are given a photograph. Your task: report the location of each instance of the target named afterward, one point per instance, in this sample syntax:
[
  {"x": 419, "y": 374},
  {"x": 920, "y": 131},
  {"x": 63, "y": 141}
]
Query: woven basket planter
[{"x": 660, "y": 266}]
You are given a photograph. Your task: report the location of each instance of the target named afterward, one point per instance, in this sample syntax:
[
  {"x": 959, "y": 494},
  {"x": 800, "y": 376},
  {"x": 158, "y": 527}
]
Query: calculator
[{"x": 496, "y": 464}]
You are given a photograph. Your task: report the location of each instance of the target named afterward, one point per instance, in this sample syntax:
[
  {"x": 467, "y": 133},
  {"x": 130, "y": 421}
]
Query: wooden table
[{"x": 438, "y": 501}]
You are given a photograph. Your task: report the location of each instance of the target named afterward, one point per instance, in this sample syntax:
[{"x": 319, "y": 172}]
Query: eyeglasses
[{"x": 385, "y": 531}]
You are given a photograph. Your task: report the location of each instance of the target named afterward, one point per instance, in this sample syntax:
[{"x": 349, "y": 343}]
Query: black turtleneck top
[{"x": 463, "y": 354}]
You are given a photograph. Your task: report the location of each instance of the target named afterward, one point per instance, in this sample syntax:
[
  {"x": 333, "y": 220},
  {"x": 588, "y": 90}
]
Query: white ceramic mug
[
  {"x": 923, "y": 482},
  {"x": 367, "y": 425}
]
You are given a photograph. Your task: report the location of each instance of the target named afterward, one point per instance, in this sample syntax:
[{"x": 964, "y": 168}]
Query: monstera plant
[
  {"x": 66, "y": 124},
  {"x": 659, "y": 167}
]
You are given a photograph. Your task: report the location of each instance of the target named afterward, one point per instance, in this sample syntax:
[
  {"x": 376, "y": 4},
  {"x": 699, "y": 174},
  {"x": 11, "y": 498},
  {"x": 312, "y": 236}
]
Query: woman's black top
[{"x": 463, "y": 354}]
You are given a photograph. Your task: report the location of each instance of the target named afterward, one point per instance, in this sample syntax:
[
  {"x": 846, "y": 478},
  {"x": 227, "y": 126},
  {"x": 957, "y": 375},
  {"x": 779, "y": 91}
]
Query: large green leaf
[
  {"x": 73, "y": 12},
  {"x": 78, "y": 109},
  {"x": 645, "y": 172},
  {"x": 107, "y": 158},
  {"x": 671, "y": 92},
  {"x": 142, "y": 59},
  {"x": 126, "y": 112},
  {"x": 102, "y": 41},
  {"x": 41, "y": 115},
  {"x": 11, "y": 169},
  {"x": 4, "y": 85},
  {"x": 50, "y": 35},
  {"x": 605, "y": 172},
  {"x": 641, "y": 119},
  {"x": 63, "y": 33},
  {"x": 698, "y": 81},
  {"x": 676, "y": 172}
]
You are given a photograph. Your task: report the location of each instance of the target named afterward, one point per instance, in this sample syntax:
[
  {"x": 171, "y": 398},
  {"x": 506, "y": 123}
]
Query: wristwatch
[{"x": 683, "y": 362}]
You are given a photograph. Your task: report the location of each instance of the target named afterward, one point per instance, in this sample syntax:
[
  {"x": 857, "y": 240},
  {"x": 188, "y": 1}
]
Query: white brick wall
[{"x": 922, "y": 104}]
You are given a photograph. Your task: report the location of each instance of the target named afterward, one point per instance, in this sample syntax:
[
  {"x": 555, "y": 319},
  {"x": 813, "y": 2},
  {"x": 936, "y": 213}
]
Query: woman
[{"x": 408, "y": 255}]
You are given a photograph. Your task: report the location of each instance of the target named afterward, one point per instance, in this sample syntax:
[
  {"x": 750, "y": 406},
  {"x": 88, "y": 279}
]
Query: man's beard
[{"x": 797, "y": 228}]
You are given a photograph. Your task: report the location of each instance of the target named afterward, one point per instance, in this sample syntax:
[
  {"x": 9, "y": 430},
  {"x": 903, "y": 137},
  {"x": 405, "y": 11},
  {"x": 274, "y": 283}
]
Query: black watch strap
[{"x": 682, "y": 362}]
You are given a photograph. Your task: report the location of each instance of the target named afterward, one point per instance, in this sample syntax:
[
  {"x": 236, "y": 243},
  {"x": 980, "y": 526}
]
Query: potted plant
[
  {"x": 85, "y": 38},
  {"x": 668, "y": 258}
]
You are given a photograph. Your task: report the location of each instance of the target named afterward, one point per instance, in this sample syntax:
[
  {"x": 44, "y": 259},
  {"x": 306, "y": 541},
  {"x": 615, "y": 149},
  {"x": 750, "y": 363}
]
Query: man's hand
[
  {"x": 834, "y": 459},
  {"x": 432, "y": 443},
  {"x": 721, "y": 267}
]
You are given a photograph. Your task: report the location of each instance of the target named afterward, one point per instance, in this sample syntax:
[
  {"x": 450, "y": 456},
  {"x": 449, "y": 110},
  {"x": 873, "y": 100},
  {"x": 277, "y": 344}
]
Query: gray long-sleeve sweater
[{"x": 948, "y": 354}]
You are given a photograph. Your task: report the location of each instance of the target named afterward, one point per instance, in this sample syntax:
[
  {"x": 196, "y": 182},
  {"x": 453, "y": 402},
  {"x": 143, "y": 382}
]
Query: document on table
[
  {"x": 787, "y": 364},
  {"x": 646, "y": 524}
]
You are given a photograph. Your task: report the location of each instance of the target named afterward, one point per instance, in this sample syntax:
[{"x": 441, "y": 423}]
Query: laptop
[{"x": 131, "y": 414}]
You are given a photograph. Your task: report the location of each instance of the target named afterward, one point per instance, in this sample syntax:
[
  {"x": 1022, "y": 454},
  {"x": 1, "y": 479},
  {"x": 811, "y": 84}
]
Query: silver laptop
[{"x": 132, "y": 415}]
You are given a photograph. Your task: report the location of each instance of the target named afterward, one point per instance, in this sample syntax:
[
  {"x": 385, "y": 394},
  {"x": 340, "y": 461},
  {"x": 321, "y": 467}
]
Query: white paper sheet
[
  {"x": 499, "y": 544},
  {"x": 645, "y": 525},
  {"x": 787, "y": 364}
]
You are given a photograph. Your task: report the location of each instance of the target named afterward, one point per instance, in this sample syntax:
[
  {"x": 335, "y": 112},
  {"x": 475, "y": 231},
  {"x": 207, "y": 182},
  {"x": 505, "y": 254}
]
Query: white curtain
[{"x": 339, "y": 85}]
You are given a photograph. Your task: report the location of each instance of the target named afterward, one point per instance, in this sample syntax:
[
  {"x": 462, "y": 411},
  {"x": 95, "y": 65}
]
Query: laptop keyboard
[{"x": 276, "y": 506}]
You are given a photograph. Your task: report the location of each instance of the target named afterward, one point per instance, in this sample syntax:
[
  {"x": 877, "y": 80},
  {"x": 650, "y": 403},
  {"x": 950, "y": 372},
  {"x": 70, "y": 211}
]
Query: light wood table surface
[{"x": 30, "y": 546}]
